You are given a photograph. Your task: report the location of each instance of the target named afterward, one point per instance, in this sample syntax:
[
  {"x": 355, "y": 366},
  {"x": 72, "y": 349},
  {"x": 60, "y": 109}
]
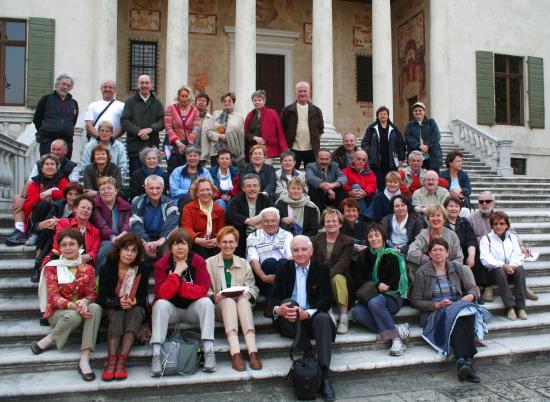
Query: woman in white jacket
[{"x": 501, "y": 255}]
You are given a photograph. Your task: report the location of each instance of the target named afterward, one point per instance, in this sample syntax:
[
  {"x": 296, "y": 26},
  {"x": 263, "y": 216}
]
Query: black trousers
[
  {"x": 320, "y": 327},
  {"x": 320, "y": 198},
  {"x": 462, "y": 338},
  {"x": 303, "y": 156}
]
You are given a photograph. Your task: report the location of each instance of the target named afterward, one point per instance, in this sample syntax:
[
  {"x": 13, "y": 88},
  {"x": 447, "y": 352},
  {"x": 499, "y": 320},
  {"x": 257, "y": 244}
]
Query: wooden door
[{"x": 270, "y": 76}]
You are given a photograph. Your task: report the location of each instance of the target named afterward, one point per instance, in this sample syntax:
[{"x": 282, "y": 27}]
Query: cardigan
[
  {"x": 102, "y": 218},
  {"x": 108, "y": 281},
  {"x": 177, "y": 129},
  {"x": 241, "y": 275}
]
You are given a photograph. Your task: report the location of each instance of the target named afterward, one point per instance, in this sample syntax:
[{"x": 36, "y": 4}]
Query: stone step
[
  {"x": 516, "y": 196},
  {"x": 513, "y": 204},
  {"x": 507, "y": 192},
  {"x": 527, "y": 215},
  {"x": 531, "y": 227},
  {"x": 535, "y": 239},
  {"x": 509, "y": 181},
  {"x": 16, "y": 252}
]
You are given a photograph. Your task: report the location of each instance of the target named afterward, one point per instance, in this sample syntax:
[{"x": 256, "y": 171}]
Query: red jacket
[
  {"x": 366, "y": 181},
  {"x": 272, "y": 131},
  {"x": 33, "y": 194},
  {"x": 92, "y": 237},
  {"x": 169, "y": 286},
  {"x": 194, "y": 220}
]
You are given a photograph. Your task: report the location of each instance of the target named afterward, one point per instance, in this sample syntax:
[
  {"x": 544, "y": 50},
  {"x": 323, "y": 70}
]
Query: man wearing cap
[
  {"x": 182, "y": 177},
  {"x": 422, "y": 134}
]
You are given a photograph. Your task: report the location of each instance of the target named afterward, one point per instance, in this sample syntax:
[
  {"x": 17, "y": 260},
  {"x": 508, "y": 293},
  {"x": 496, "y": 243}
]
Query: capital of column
[
  {"x": 177, "y": 45},
  {"x": 245, "y": 54},
  {"x": 382, "y": 71}
]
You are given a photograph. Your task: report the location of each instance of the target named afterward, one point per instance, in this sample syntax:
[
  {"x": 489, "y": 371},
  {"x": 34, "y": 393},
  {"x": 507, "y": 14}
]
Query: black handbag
[
  {"x": 366, "y": 292},
  {"x": 305, "y": 373}
]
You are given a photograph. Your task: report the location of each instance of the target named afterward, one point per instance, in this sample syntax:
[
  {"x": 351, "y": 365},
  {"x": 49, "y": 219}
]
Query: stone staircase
[{"x": 53, "y": 376}]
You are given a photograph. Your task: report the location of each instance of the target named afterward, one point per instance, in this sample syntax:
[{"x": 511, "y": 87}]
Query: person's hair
[
  {"x": 105, "y": 124},
  {"x": 373, "y": 228},
  {"x": 100, "y": 148},
  {"x": 143, "y": 154},
  {"x": 106, "y": 180},
  {"x": 129, "y": 239},
  {"x": 348, "y": 134},
  {"x": 414, "y": 153},
  {"x": 72, "y": 186},
  {"x": 188, "y": 90},
  {"x": 62, "y": 76},
  {"x": 226, "y": 230},
  {"x": 393, "y": 176},
  {"x": 452, "y": 198},
  {"x": 401, "y": 197},
  {"x": 250, "y": 176},
  {"x": 309, "y": 244},
  {"x": 432, "y": 209},
  {"x": 224, "y": 151},
  {"x": 62, "y": 142},
  {"x": 53, "y": 157},
  {"x": 83, "y": 197},
  {"x": 71, "y": 233},
  {"x": 323, "y": 150},
  {"x": 350, "y": 203},
  {"x": 203, "y": 95},
  {"x": 452, "y": 155},
  {"x": 270, "y": 210},
  {"x": 331, "y": 211},
  {"x": 230, "y": 94},
  {"x": 499, "y": 216},
  {"x": 257, "y": 146},
  {"x": 193, "y": 190},
  {"x": 153, "y": 178},
  {"x": 295, "y": 180},
  {"x": 178, "y": 235},
  {"x": 260, "y": 93},
  {"x": 382, "y": 109},
  {"x": 288, "y": 153},
  {"x": 438, "y": 241}
]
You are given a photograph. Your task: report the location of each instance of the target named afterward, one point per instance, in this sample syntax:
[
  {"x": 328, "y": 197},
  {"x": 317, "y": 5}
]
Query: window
[
  {"x": 519, "y": 165},
  {"x": 143, "y": 60},
  {"x": 508, "y": 90},
  {"x": 363, "y": 69},
  {"x": 13, "y": 42}
]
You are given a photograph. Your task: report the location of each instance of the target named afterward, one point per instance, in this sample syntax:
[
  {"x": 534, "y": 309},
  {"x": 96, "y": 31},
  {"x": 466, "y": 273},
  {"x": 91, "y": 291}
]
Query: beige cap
[{"x": 419, "y": 104}]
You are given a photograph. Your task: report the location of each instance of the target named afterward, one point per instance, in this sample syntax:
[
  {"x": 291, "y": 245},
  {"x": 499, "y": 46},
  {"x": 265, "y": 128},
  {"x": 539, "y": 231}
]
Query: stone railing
[{"x": 491, "y": 150}]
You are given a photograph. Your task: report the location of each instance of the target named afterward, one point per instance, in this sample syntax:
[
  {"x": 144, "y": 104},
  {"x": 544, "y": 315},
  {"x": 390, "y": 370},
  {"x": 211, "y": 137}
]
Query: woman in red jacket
[
  {"x": 202, "y": 218},
  {"x": 181, "y": 286},
  {"x": 263, "y": 126}
]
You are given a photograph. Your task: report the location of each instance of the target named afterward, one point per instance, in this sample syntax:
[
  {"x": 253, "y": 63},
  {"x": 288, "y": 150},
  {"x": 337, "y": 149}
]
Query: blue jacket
[
  {"x": 235, "y": 174},
  {"x": 429, "y": 132},
  {"x": 180, "y": 182},
  {"x": 463, "y": 181},
  {"x": 170, "y": 214}
]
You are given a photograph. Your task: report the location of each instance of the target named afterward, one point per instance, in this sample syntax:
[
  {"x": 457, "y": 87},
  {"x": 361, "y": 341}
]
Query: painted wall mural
[{"x": 412, "y": 56}]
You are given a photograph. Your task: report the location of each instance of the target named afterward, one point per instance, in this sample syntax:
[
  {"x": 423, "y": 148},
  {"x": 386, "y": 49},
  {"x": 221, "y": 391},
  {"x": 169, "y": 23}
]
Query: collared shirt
[
  {"x": 265, "y": 249},
  {"x": 153, "y": 220},
  {"x": 144, "y": 98},
  {"x": 299, "y": 293}
]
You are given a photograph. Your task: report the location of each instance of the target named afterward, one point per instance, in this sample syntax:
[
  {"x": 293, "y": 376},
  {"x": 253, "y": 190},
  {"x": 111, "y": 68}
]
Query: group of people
[{"x": 357, "y": 236}]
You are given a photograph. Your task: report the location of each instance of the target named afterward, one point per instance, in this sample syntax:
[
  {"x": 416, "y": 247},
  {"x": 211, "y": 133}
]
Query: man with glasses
[
  {"x": 429, "y": 194},
  {"x": 361, "y": 183}
]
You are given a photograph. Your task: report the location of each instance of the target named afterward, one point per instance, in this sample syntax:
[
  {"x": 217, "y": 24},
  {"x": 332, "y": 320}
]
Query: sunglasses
[{"x": 485, "y": 201}]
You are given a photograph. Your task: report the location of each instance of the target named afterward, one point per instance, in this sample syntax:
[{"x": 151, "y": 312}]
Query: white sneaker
[
  {"x": 209, "y": 362},
  {"x": 403, "y": 330},
  {"x": 156, "y": 366},
  {"x": 343, "y": 325},
  {"x": 397, "y": 347}
]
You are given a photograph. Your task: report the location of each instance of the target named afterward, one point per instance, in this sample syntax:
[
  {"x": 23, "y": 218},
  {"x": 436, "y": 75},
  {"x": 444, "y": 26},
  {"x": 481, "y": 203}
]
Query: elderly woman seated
[
  {"x": 298, "y": 214},
  {"x": 183, "y": 177},
  {"x": 202, "y": 218},
  {"x": 101, "y": 167},
  {"x": 117, "y": 149},
  {"x": 226, "y": 178},
  {"x": 380, "y": 204},
  {"x": 265, "y": 172},
  {"x": 150, "y": 159},
  {"x": 335, "y": 249},
  {"x": 445, "y": 296},
  {"x": 123, "y": 290},
  {"x": 67, "y": 295},
  {"x": 401, "y": 226},
  {"x": 380, "y": 285},
  {"x": 501, "y": 255},
  {"x": 458, "y": 180},
  {"x": 286, "y": 172},
  {"x": 226, "y": 271},
  {"x": 181, "y": 288}
]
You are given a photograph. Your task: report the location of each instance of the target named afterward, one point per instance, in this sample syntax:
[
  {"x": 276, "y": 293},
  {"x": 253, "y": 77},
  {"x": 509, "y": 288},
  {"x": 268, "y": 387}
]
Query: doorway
[{"x": 270, "y": 76}]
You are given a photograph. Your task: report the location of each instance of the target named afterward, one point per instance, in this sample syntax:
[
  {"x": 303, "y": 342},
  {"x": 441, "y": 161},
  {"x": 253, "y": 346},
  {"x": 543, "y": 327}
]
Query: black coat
[
  {"x": 466, "y": 235},
  {"x": 108, "y": 280},
  {"x": 268, "y": 179},
  {"x": 388, "y": 271},
  {"x": 356, "y": 232},
  {"x": 371, "y": 145},
  {"x": 310, "y": 225}
]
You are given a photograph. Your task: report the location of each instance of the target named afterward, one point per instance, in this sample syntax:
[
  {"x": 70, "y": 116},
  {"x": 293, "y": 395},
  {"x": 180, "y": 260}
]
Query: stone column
[
  {"x": 322, "y": 68},
  {"x": 245, "y": 54},
  {"x": 105, "y": 44},
  {"x": 439, "y": 102},
  {"x": 177, "y": 45},
  {"x": 382, "y": 71}
]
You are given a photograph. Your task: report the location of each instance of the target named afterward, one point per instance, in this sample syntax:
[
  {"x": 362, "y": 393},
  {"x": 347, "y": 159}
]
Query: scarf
[
  {"x": 298, "y": 206},
  {"x": 64, "y": 276},
  {"x": 208, "y": 212},
  {"x": 223, "y": 117},
  {"x": 158, "y": 171},
  {"x": 390, "y": 195},
  {"x": 403, "y": 281},
  {"x": 127, "y": 284}
]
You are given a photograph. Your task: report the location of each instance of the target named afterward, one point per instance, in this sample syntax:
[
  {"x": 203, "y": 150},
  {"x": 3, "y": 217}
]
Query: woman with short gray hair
[{"x": 150, "y": 159}]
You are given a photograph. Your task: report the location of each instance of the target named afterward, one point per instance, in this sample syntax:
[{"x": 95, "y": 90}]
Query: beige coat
[{"x": 241, "y": 273}]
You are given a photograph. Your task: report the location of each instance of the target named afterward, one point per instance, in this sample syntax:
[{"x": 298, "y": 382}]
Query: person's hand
[
  {"x": 114, "y": 239},
  {"x": 526, "y": 251},
  {"x": 424, "y": 148},
  {"x": 396, "y": 249},
  {"x": 222, "y": 137},
  {"x": 81, "y": 307},
  {"x": 90, "y": 193},
  {"x": 127, "y": 303},
  {"x": 360, "y": 247},
  {"x": 181, "y": 267},
  {"x": 509, "y": 269},
  {"x": 284, "y": 310},
  {"x": 443, "y": 303},
  {"x": 469, "y": 297},
  {"x": 225, "y": 197},
  {"x": 86, "y": 258},
  {"x": 382, "y": 287},
  {"x": 288, "y": 220},
  {"x": 46, "y": 195},
  {"x": 181, "y": 147},
  {"x": 324, "y": 186},
  {"x": 218, "y": 298},
  {"x": 259, "y": 140},
  {"x": 269, "y": 279},
  {"x": 457, "y": 193},
  {"x": 144, "y": 133},
  {"x": 331, "y": 194},
  {"x": 471, "y": 261}
]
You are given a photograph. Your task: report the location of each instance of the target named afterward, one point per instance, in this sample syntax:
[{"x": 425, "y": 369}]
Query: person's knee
[
  {"x": 204, "y": 304},
  {"x": 376, "y": 303},
  {"x": 162, "y": 306},
  {"x": 94, "y": 308}
]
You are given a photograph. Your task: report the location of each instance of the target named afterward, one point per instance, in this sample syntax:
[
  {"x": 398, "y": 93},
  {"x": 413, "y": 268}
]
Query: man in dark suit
[
  {"x": 325, "y": 181},
  {"x": 302, "y": 291}
]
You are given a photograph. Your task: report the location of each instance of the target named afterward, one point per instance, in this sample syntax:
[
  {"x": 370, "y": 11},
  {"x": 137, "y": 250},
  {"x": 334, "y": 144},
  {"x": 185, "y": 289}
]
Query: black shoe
[
  {"x": 463, "y": 371},
  {"x": 326, "y": 391},
  {"x": 268, "y": 313},
  {"x": 16, "y": 238},
  {"x": 44, "y": 322},
  {"x": 35, "y": 277},
  {"x": 473, "y": 377}
]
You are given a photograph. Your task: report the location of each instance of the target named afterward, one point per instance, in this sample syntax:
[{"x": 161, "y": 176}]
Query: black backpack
[{"x": 305, "y": 373}]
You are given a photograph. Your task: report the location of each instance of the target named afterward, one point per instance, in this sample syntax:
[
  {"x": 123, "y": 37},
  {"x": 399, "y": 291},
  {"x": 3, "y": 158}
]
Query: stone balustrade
[{"x": 490, "y": 149}]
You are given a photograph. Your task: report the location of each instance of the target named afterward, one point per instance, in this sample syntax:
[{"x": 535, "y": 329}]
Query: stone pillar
[
  {"x": 322, "y": 63},
  {"x": 245, "y": 54},
  {"x": 177, "y": 45},
  {"x": 382, "y": 71},
  {"x": 439, "y": 102},
  {"x": 105, "y": 44}
]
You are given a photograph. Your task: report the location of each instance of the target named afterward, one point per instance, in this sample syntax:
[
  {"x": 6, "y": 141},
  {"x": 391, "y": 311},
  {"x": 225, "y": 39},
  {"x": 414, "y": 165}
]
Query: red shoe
[
  {"x": 109, "y": 370},
  {"x": 120, "y": 371}
]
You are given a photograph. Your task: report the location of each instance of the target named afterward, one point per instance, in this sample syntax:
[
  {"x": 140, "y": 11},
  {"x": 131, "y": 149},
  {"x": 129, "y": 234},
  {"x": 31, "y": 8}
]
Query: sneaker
[
  {"x": 488, "y": 295},
  {"x": 511, "y": 314},
  {"x": 156, "y": 366},
  {"x": 397, "y": 347},
  {"x": 343, "y": 325},
  {"x": 522, "y": 314},
  {"x": 529, "y": 294},
  {"x": 403, "y": 330},
  {"x": 17, "y": 238},
  {"x": 209, "y": 362},
  {"x": 31, "y": 241}
]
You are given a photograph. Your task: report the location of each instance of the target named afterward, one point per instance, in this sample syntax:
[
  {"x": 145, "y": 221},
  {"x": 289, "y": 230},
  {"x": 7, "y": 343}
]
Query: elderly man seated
[
  {"x": 344, "y": 153},
  {"x": 267, "y": 248},
  {"x": 413, "y": 175},
  {"x": 154, "y": 216},
  {"x": 429, "y": 194},
  {"x": 325, "y": 181},
  {"x": 302, "y": 292},
  {"x": 361, "y": 183}
]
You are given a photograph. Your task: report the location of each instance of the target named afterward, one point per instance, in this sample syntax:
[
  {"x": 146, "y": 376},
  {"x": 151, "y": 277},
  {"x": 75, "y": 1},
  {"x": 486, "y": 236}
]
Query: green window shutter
[
  {"x": 485, "y": 86},
  {"x": 40, "y": 59},
  {"x": 535, "y": 81}
]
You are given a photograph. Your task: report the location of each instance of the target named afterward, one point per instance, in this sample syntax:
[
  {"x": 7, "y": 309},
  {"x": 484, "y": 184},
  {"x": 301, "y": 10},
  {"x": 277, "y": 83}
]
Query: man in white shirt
[{"x": 108, "y": 108}]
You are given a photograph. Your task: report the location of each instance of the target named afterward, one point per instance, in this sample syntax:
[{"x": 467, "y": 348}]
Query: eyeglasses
[
  {"x": 501, "y": 223},
  {"x": 485, "y": 201}
]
